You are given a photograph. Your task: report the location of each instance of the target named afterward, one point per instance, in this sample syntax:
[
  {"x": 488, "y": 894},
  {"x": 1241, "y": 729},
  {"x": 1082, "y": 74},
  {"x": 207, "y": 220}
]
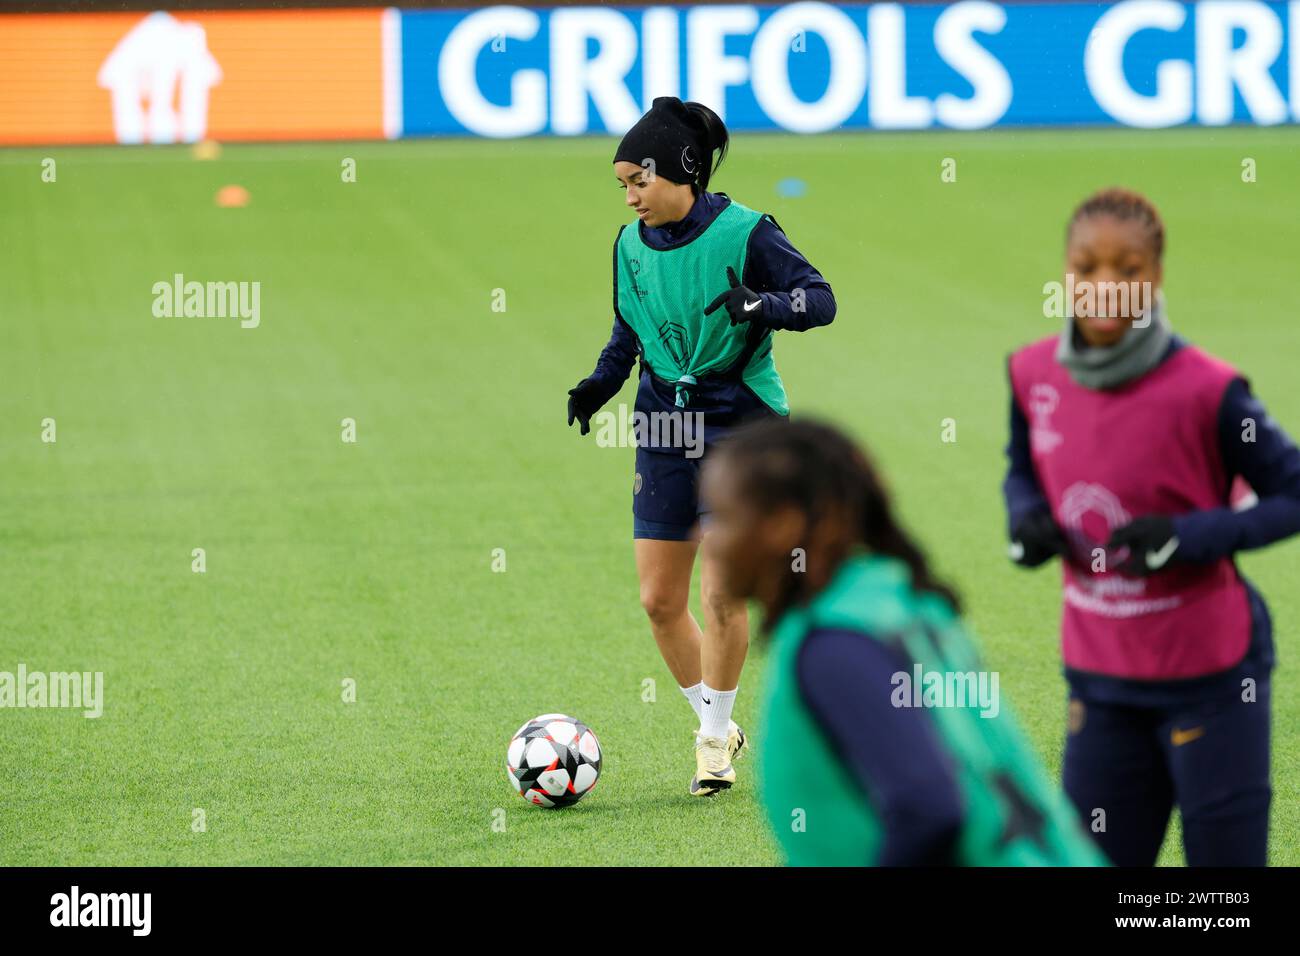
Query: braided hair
[
  {"x": 817, "y": 469},
  {"x": 1126, "y": 206}
]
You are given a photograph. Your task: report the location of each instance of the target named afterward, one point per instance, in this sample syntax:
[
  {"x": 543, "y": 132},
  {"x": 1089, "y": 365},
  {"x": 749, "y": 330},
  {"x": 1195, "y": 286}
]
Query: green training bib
[
  {"x": 822, "y": 817},
  {"x": 662, "y": 294}
]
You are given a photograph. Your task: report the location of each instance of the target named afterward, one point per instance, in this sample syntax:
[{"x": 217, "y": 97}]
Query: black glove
[
  {"x": 743, "y": 304},
  {"x": 584, "y": 401},
  {"x": 1036, "y": 539},
  {"x": 1151, "y": 543}
]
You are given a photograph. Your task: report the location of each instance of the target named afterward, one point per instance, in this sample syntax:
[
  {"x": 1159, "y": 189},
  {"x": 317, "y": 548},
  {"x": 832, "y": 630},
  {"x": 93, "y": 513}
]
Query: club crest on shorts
[
  {"x": 1077, "y": 716},
  {"x": 636, "y": 483}
]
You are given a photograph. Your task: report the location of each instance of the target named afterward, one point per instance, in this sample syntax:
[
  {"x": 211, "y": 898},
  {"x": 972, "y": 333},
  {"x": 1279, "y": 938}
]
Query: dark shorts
[
  {"x": 665, "y": 496},
  {"x": 665, "y": 488}
]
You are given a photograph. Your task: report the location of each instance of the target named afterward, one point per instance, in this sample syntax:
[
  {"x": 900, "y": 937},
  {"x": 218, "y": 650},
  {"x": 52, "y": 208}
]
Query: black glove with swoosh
[
  {"x": 1151, "y": 542},
  {"x": 743, "y": 304}
]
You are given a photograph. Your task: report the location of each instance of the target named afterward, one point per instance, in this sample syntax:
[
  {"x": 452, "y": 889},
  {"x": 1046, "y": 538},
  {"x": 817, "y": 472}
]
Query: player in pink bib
[{"x": 1129, "y": 448}]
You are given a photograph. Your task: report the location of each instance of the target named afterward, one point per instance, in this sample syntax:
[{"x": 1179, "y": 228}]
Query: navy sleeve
[
  {"x": 1020, "y": 488},
  {"x": 846, "y": 679},
  {"x": 1255, "y": 447},
  {"x": 616, "y": 360},
  {"x": 620, "y": 352},
  {"x": 795, "y": 296}
]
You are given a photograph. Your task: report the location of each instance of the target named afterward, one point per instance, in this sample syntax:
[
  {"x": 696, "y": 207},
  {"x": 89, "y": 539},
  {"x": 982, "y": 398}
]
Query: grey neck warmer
[{"x": 1138, "y": 352}]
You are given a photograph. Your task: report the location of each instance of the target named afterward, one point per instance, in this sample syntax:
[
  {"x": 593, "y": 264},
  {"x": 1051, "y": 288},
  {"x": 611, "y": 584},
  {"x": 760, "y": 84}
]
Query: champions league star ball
[{"x": 553, "y": 760}]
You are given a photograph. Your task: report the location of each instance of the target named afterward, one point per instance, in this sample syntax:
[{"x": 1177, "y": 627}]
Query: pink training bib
[{"x": 1106, "y": 457}]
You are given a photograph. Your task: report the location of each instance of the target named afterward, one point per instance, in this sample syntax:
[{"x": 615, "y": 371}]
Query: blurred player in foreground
[
  {"x": 700, "y": 284},
  {"x": 858, "y": 767},
  {"x": 1125, "y": 443}
]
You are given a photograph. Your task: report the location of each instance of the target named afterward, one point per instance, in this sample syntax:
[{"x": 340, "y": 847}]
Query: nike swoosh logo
[
  {"x": 751, "y": 306},
  {"x": 706, "y": 700},
  {"x": 1180, "y": 737},
  {"x": 1016, "y": 551},
  {"x": 1157, "y": 559}
]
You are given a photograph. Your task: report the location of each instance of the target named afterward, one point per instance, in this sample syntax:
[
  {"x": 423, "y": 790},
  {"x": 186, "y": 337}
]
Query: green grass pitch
[{"x": 372, "y": 560}]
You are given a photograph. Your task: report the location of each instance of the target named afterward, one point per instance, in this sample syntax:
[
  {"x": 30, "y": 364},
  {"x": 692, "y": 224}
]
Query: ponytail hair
[
  {"x": 815, "y": 468},
  {"x": 713, "y": 138}
]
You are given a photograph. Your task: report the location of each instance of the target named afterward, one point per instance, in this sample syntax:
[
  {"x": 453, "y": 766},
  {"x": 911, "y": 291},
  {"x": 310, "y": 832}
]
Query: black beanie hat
[{"x": 670, "y": 135}]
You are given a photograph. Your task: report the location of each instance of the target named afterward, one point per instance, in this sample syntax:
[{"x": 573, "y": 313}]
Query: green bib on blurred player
[
  {"x": 662, "y": 294},
  {"x": 1013, "y": 815}
]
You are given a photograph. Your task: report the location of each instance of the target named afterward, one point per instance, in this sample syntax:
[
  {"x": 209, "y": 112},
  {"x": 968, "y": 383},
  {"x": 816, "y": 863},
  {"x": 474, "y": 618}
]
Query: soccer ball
[{"x": 553, "y": 760}]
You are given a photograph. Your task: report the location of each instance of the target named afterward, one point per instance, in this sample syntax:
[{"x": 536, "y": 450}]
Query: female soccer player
[
  {"x": 690, "y": 253},
  {"x": 855, "y": 772},
  {"x": 1125, "y": 443}
]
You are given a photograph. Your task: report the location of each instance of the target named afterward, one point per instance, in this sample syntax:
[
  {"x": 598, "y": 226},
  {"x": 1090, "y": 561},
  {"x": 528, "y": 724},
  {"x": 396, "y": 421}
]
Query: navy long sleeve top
[
  {"x": 773, "y": 268},
  {"x": 894, "y": 753}
]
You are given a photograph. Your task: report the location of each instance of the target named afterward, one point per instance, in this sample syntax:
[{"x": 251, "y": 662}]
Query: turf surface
[{"x": 372, "y": 560}]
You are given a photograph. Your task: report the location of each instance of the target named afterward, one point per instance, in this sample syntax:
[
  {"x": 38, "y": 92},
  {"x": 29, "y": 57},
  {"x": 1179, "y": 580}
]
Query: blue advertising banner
[{"x": 810, "y": 67}]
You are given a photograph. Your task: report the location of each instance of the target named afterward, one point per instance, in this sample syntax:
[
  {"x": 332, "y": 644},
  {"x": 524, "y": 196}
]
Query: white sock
[
  {"x": 731, "y": 725},
  {"x": 715, "y": 714},
  {"x": 692, "y": 695}
]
